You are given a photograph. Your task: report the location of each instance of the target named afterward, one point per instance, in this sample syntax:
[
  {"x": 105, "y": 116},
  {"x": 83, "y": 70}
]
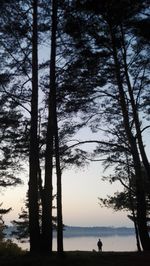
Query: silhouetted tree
[
  {"x": 33, "y": 164},
  {"x": 119, "y": 58},
  {"x": 21, "y": 225},
  {"x": 2, "y": 224}
]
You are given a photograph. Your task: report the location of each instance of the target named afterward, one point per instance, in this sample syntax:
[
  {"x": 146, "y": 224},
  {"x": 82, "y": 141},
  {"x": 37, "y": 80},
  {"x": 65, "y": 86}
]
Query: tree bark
[
  {"x": 47, "y": 193},
  {"x": 33, "y": 157},
  {"x": 133, "y": 210},
  {"x": 57, "y": 155},
  {"x": 47, "y": 199},
  {"x": 59, "y": 194}
]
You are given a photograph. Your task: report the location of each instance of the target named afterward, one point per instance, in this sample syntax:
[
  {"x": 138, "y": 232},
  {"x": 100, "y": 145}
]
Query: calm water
[{"x": 110, "y": 243}]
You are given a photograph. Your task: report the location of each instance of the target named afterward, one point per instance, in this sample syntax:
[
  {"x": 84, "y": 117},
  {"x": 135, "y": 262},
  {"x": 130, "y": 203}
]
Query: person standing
[{"x": 99, "y": 244}]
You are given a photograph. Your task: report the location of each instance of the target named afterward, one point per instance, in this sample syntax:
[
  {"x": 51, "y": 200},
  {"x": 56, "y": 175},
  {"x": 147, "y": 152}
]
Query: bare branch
[
  {"x": 145, "y": 128},
  {"x": 97, "y": 142}
]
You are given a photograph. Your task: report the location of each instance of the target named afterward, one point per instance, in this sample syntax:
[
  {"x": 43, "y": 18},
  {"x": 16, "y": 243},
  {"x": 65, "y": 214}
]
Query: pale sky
[{"x": 81, "y": 189}]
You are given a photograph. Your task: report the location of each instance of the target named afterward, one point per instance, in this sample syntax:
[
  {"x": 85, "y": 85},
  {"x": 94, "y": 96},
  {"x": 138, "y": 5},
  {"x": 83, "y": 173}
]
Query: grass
[{"x": 78, "y": 258}]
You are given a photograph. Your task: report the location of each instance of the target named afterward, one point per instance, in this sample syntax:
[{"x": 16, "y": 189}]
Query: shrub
[{"x": 8, "y": 248}]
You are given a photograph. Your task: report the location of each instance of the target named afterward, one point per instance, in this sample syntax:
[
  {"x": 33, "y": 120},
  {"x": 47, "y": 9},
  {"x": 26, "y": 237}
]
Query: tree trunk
[
  {"x": 135, "y": 113},
  {"x": 59, "y": 194},
  {"x": 136, "y": 231},
  {"x": 141, "y": 221},
  {"x": 33, "y": 159},
  {"x": 141, "y": 205},
  {"x": 47, "y": 199},
  {"x": 57, "y": 155},
  {"x": 134, "y": 215},
  {"x": 47, "y": 193}
]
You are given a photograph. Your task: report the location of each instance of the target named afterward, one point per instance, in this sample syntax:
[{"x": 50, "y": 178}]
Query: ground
[{"x": 80, "y": 258}]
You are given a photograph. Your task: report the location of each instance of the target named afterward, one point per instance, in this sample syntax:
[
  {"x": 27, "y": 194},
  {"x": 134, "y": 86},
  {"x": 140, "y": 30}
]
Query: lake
[
  {"x": 85, "y": 239},
  {"x": 112, "y": 243}
]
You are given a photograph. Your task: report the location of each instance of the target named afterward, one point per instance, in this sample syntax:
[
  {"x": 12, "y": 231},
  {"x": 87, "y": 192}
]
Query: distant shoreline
[
  {"x": 92, "y": 231},
  {"x": 97, "y": 231},
  {"x": 103, "y": 231}
]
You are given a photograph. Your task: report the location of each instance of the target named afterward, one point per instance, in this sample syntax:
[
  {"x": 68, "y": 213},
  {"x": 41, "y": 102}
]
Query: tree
[
  {"x": 52, "y": 147},
  {"x": 2, "y": 224},
  {"x": 119, "y": 58},
  {"x": 126, "y": 199},
  {"x": 56, "y": 134},
  {"x": 21, "y": 225},
  {"x": 33, "y": 173},
  {"x": 22, "y": 55}
]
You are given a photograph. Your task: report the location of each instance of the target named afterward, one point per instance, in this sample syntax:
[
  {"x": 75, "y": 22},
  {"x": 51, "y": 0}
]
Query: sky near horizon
[{"x": 81, "y": 189}]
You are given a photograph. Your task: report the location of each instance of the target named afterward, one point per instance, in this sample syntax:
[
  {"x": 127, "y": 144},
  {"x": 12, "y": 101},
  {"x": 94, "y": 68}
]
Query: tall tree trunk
[
  {"x": 33, "y": 159},
  {"x": 47, "y": 198},
  {"x": 136, "y": 230},
  {"x": 59, "y": 194},
  {"x": 57, "y": 155},
  {"x": 135, "y": 112},
  {"x": 133, "y": 210},
  {"x": 47, "y": 192},
  {"x": 140, "y": 194}
]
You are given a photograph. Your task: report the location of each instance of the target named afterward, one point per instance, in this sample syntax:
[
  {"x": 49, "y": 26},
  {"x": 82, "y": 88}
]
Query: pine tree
[{"x": 118, "y": 59}]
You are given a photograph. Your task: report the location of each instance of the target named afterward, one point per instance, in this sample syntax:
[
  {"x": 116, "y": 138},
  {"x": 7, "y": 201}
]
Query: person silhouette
[{"x": 99, "y": 244}]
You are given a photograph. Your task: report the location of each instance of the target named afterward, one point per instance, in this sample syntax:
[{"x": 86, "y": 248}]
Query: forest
[{"x": 65, "y": 66}]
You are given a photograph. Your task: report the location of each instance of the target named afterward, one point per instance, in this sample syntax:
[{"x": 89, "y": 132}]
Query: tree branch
[{"x": 98, "y": 142}]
